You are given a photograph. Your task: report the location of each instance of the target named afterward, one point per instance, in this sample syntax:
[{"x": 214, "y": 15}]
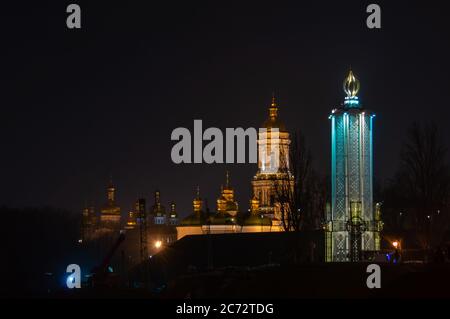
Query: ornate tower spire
[
  {"x": 227, "y": 179},
  {"x": 157, "y": 197},
  {"x": 173, "y": 210},
  {"x": 351, "y": 88},
  {"x": 273, "y": 109},
  {"x": 111, "y": 191},
  {"x": 226, "y": 202},
  {"x": 197, "y": 203},
  {"x": 351, "y": 85}
]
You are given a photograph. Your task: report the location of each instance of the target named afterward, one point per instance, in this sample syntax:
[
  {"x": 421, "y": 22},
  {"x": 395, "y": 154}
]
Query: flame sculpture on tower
[{"x": 353, "y": 224}]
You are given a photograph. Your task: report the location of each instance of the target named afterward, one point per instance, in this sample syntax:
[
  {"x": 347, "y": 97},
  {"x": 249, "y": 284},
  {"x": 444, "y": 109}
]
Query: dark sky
[{"x": 79, "y": 105}]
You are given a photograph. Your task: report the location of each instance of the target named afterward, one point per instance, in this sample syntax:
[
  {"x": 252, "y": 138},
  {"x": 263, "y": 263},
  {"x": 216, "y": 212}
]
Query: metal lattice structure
[
  {"x": 352, "y": 225},
  {"x": 142, "y": 214}
]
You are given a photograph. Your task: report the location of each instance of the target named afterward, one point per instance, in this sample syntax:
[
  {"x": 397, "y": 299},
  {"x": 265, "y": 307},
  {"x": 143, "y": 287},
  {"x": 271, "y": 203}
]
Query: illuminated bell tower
[
  {"x": 352, "y": 227},
  {"x": 273, "y": 164}
]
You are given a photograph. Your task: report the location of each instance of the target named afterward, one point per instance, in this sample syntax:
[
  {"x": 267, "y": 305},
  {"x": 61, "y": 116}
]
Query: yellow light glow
[
  {"x": 351, "y": 85},
  {"x": 395, "y": 244},
  {"x": 158, "y": 244}
]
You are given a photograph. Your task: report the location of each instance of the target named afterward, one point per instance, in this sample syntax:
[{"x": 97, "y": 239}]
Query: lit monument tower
[
  {"x": 274, "y": 170},
  {"x": 353, "y": 223}
]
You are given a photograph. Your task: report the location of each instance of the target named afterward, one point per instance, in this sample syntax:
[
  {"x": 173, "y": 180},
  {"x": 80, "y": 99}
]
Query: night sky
[{"x": 81, "y": 105}]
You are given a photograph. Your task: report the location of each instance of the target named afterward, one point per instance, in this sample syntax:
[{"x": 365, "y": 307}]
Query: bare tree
[
  {"x": 301, "y": 193},
  {"x": 424, "y": 178}
]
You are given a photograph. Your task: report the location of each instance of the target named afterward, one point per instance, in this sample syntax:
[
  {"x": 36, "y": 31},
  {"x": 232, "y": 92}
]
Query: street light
[
  {"x": 158, "y": 244},
  {"x": 396, "y": 244}
]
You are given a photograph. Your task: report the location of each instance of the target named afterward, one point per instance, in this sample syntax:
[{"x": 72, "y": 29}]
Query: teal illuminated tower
[{"x": 353, "y": 224}]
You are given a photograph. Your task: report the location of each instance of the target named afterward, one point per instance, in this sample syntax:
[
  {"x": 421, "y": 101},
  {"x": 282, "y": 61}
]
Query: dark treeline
[
  {"x": 40, "y": 243},
  {"x": 416, "y": 199}
]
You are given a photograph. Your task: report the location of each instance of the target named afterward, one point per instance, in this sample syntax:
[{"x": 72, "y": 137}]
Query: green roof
[
  {"x": 192, "y": 220},
  {"x": 222, "y": 219},
  {"x": 256, "y": 220}
]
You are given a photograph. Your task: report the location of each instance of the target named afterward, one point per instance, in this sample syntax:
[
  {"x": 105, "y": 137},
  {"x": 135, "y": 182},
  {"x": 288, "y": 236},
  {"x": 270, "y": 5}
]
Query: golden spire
[
  {"x": 157, "y": 197},
  {"x": 351, "y": 85},
  {"x": 273, "y": 109},
  {"x": 173, "y": 210},
  {"x": 111, "y": 190},
  {"x": 197, "y": 203}
]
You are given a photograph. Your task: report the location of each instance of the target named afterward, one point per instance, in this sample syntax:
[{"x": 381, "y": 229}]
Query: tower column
[{"x": 352, "y": 226}]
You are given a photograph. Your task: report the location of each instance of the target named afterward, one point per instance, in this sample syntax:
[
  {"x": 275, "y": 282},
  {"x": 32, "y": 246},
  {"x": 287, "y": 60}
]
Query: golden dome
[
  {"x": 226, "y": 201},
  {"x": 254, "y": 205}
]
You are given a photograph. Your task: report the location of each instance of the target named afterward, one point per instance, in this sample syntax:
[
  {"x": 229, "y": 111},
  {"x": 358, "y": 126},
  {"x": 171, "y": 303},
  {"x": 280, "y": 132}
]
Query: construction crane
[{"x": 101, "y": 275}]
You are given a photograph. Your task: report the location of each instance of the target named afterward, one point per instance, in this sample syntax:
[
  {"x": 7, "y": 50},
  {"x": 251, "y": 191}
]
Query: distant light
[
  {"x": 80, "y": 241},
  {"x": 395, "y": 244},
  {"x": 110, "y": 269},
  {"x": 158, "y": 244},
  {"x": 428, "y": 216}
]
